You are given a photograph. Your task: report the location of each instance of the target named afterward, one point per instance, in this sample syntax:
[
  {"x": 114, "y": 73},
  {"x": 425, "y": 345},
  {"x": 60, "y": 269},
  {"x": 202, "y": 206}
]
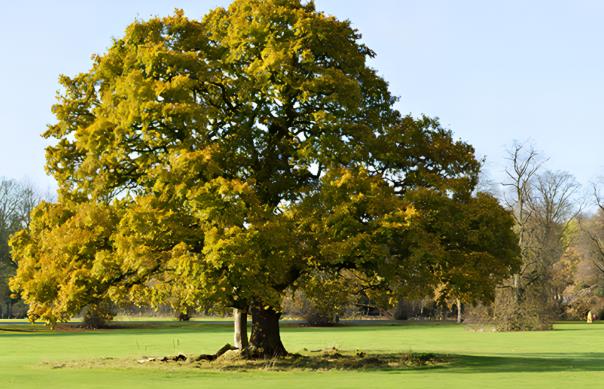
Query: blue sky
[{"x": 493, "y": 72}]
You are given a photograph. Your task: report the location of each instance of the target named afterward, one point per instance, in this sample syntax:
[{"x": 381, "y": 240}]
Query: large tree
[{"x": 229, "y": 159}]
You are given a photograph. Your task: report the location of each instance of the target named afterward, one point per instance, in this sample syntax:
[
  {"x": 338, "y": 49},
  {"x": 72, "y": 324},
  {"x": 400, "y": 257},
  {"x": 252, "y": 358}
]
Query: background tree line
[
  {"x": 17, "y": 200},
  {"x": 553, "y": 220}
]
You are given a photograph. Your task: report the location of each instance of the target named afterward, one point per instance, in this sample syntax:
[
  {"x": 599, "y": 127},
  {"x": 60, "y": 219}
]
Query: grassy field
[{"x": 571, "y": 356}]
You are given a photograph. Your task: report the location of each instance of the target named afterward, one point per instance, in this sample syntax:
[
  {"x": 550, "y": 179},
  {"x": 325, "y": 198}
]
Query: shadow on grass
[
  {"x": 31, "y": 330},
  {"x": 393, "y": 363},
  {"x": 320, "y": 360},
  {"x": 116, "y": 329},
  {"x": 217, "y": 326},
  {"x": 541, "y": 362},
  {"x": 462, "y": 364}
]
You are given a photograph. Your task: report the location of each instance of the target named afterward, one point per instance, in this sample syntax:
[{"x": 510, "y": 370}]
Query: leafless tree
[
  {"x": 593, "y": 229},
  {"x": 542, "y": 204},
  {"x": 524, "y": 165}
]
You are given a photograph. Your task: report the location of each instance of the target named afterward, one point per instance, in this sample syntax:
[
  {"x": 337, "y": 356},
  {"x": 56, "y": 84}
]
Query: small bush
[
  {"x": 530, "y": 313},
  {"x": 97, "y": 315}
]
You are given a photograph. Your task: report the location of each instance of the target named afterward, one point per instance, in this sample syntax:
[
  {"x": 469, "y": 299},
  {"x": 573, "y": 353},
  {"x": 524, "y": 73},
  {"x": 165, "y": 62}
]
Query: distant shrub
[{"x": 98, "y": 315}]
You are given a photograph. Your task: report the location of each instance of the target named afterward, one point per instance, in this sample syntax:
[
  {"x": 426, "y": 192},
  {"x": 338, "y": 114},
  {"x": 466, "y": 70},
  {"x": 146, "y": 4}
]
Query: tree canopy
[{"x": 220, "y": 162}]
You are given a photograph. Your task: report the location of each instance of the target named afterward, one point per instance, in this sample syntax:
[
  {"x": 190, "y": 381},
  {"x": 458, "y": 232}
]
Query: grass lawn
[{"x": 571, "y": 356}]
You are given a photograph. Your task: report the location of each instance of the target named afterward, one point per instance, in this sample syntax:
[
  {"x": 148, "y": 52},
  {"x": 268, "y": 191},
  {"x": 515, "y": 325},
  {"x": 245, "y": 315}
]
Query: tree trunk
[
  {"x": 240, "y": 323},
  {"x": 458, "y": 302},
  {"x": 516, "y": 288},
  {"x": 265, "y": 340}
]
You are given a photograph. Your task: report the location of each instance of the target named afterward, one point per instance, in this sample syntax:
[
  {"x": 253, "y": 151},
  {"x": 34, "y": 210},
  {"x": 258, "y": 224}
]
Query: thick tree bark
[
  {"x": 458, "y": 303},
  {"x": 240, "y": 323},
  {"x": 265, "y": 340}
]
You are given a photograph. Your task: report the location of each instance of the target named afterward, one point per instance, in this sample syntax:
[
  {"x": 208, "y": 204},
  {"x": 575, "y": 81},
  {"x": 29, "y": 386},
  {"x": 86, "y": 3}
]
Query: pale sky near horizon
[{"x": 492, "y": 71}]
